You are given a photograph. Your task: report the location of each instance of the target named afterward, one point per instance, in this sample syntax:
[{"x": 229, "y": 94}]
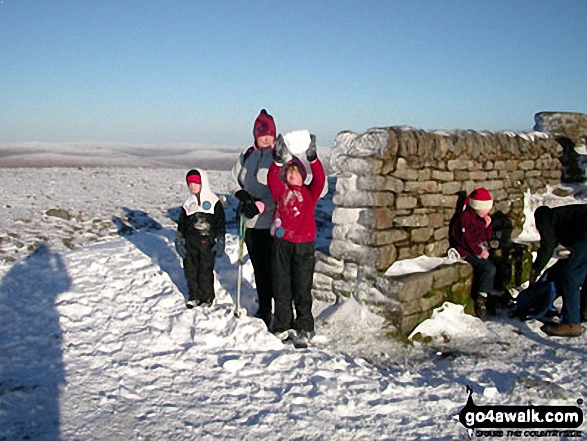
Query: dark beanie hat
[
  {"x": 193, "y": 176},
  {"x": 295, "y": 162},
  {"x": 264, "y": 125}
]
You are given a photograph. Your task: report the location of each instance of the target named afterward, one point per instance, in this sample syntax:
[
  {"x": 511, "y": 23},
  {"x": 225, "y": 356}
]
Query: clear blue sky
[{"x": 162, "y": 71}]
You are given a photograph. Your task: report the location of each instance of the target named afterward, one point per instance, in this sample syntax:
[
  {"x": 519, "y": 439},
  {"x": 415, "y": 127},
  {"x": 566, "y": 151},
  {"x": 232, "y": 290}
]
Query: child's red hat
[{"x": 480, "y": 199}]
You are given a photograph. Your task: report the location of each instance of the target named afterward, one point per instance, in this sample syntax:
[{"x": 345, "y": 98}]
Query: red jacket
[
  {"x": 468, "y": 232},
  {"x": 295, "y": 205}
]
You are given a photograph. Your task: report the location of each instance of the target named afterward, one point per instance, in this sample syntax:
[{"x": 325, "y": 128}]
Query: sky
[{"x": 199, "y": 71}]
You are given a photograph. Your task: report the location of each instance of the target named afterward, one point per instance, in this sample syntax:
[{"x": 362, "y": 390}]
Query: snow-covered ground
[{"x": 96, "y": 343}]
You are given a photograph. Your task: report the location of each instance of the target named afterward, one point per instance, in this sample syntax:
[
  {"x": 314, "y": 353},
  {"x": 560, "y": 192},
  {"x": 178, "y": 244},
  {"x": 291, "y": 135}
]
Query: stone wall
[
  {"x": 397, "y": 189},
  {"x": 570, "y": 129},
  {"x": 569, "y": 124}
]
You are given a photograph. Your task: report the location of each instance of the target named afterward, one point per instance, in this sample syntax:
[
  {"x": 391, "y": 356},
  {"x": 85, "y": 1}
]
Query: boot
[
  {"x": 563, "y": 330},
  {"x": 584, "y": 316},
  {"x": 481, "y": 305}
]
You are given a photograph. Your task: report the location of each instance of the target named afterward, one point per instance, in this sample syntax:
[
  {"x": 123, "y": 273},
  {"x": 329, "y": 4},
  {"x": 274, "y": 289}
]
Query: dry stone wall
[
  {"x": 568, "y": 124},
  {"x": 570, "y": 129},
  {"x": 396, "y": 191}
]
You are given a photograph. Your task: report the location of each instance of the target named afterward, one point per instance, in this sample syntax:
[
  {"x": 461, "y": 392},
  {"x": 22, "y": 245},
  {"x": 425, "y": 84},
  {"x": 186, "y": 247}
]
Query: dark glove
[
  {"x": 280, "y": 150},
  {"x": 180, "y": 246},
  {"x": 218, "y": 247},
  {"x": 311, "y": 154},
  {"x": 246, "y": 205}
]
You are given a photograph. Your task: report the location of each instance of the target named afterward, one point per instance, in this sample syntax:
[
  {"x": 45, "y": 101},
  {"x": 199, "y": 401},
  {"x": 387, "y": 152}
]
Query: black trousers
[
  {"x": 198, "y": 267},
  {"x": 293, "y": 271},
  {"x": 259, "y": 247}
]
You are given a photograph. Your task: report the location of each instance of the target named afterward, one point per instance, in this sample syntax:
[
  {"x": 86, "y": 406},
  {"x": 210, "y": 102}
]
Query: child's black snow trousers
[
  {"x": 198, "y": 267},
  {"x": 293, "y": 273}
]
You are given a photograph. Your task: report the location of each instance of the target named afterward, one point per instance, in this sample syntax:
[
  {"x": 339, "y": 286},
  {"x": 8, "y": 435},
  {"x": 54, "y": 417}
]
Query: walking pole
[{"x": 239, "y": 280}]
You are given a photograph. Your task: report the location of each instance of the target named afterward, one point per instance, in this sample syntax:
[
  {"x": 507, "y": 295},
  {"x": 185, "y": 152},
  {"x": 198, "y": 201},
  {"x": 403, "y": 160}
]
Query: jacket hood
[{"x": 207, "y": 199}]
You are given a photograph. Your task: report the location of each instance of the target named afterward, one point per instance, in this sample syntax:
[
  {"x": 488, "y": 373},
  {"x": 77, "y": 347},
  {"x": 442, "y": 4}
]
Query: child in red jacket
[
  {"x": 294, "y": 232},
  {"x": 470, "y": 234}
]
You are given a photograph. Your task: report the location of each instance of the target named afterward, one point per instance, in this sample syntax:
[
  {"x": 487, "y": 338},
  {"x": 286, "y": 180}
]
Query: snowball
[{"x": 297, "y": 141}]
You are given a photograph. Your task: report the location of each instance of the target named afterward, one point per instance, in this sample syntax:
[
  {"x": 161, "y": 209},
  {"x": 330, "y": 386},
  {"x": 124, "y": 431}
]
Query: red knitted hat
[
  {"x": 193, "y": 176},
  {"x": 264, "y": 125},
  {"x": 480, "y": 199}
]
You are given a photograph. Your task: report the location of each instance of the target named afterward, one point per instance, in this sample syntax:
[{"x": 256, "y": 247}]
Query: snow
[
  {"x": 297, "y": 141},
  {"x": 96, "y": 343},
  {"x": 422, "y": 264}
]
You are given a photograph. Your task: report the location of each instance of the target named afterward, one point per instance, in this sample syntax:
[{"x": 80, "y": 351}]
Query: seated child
[
  {"x": 200, "y": 238},
  {"x": 470, "y": 234},
  {"x": 294, "y": 232}
]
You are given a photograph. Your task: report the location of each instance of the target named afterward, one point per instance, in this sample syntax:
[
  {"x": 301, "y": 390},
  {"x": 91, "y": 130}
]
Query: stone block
[
  {"x": 346, "y": 250},
  {"x": 380, "y": 183},
  {"x": 420, "y": 235},
  {"x": 458, "y": 164},
  {"x": 478, "y": 175},
  {"x": 445, "y": 275},
  {"x": 438, "y": 200},
  {"x": 342, "y": 288},
  {"x": 493, "y": 185},
  {"x": 450, "y": 187},
  {"x": 361, "y": 166},
  {"x": 386, "y": 255},
  {"x": 405, "y": 202},
  {"x": 321, "y": 281},
  {"x": 441, "y": 233},
  {"x": 324, "y": 296},
  {"x": 465, "y": 270},
  {"x": 407, "y": 323},
  {"x": 422, "y": 305},
  {"x": 405, "y": 288},
  {"x": 407, "y": 174},
  {"x": 411, "y": 221},
  {"x": 436, "y": 219},
  {"x": 445, "y": 176},
  {"x": 421, "y": 187},
  {"x": 437, "y": 249},
  {"x": 328, "y": 265},
  {"x": 383, "y": 217}
]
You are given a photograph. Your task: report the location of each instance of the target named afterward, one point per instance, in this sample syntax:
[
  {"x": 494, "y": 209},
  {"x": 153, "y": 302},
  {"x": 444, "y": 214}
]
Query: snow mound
[{"x": 449, "y": 322}]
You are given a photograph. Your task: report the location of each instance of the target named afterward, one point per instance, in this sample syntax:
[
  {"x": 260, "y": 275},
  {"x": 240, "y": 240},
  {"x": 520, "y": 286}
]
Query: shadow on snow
[{"x": 31, "y": 359}]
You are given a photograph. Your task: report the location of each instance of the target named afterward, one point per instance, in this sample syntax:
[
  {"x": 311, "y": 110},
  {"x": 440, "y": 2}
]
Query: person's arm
[
  {"x": 180, "y": 242},
  {"x": 219, "y": 229},
  {"x": 473, "y": 236},
  {"x": 318, "y": 179},
  {"x": 547, "y": 246},
  {"x": 235, "y": 174},
  {"x": 274, "y": 181},
  {"x": 181, "y": 221},
  {"x": 219, "y": 220},
  {"x": 276, "y": 185}
]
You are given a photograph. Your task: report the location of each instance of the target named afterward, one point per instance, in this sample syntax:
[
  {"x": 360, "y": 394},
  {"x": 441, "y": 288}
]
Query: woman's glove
[{"x": 246, "y": 204}]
